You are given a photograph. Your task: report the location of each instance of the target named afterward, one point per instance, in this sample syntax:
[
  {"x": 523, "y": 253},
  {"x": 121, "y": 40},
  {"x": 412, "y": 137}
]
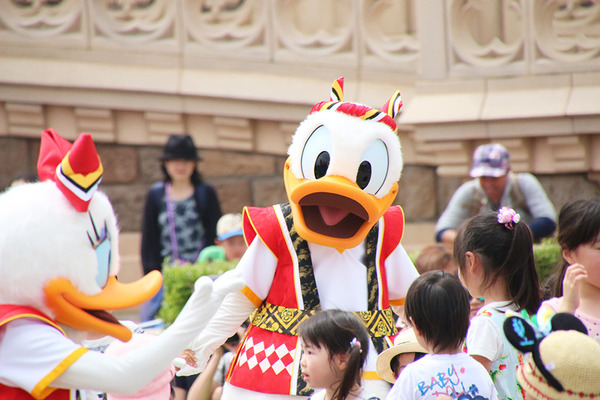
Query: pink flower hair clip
[
  {"x": 355, "y": 343},
  {"x": 508, "y": 217}
]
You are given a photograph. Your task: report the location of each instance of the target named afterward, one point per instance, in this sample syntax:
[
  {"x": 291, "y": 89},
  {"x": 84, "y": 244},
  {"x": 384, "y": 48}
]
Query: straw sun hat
[
  {"x": 405, "y": 342},
  {"x": 573, "y": 358}
]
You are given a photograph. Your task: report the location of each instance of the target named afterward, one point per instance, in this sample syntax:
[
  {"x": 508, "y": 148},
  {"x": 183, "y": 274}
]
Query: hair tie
[
  {"x": 508, "y": 217},
  {"x": 355, "y": 343}
]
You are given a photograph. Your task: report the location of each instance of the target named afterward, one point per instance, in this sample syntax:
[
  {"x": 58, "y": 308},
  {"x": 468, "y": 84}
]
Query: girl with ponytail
[
  {"x": 334, "y": 348},
  {"x": 495, "y": 257}
]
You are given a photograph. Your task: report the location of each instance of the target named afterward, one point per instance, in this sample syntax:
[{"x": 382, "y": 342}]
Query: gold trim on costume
[{"x": 379, "y": 323}]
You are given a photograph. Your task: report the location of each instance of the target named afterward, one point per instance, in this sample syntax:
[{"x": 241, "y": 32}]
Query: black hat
[{"x": 180, "y": 146}]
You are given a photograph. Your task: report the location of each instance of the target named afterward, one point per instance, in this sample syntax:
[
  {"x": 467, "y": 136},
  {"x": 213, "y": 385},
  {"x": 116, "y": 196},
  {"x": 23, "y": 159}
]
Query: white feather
[
  {"x": 350, "y": 137},
  {"x": 43, "y": 237}
]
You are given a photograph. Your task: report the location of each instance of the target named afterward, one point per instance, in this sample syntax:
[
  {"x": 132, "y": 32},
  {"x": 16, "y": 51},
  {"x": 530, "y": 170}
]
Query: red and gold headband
[{"x": 386, "y": 114}]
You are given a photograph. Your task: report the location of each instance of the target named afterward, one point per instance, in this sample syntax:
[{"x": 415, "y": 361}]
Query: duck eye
[
  {"x": 373, "y": 170},
  {"x": 103, "y": 256},
  {"x": 101, "y": 245},
  {"x": 363, "y": 177},
  {"x": 316, "y": 154},
  {"x": 321, "y": 164}
]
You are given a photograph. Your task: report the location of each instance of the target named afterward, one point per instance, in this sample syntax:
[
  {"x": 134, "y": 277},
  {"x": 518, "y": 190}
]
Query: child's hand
[
  {"x": 574, "y": 274},
  {"x": 187, "y": 357}
]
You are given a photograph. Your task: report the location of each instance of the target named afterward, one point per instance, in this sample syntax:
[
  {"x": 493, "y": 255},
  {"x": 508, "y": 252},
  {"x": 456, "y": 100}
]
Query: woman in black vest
[{"x": 180, "y": 214}]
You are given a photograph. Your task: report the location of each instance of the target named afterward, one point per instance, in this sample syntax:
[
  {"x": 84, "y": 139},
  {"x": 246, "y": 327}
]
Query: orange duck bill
[
  {"x": 88, "y": 313},
  {"x": 333, "y": 211}
]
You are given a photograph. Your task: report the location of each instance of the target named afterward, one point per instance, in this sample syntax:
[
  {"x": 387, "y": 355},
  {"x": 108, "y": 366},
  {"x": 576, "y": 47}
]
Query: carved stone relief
[
  {"x": 567, "y": 31},
  {"x": 501, "y": 37},
  {"x": 389, "y": 33},
  {"x": 53, "y": 22},
  {"x": 226, "y": 25},
  {"x": 134, "y": 22},
  {"x": 485, "y": 34},
  {"x": 321, "y": 29}
]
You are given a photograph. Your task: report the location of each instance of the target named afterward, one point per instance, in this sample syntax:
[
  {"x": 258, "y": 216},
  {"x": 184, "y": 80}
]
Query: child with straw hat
[
  {"x": 561, "y": 364},
  {"x": 572, "y": 361},
  {"x": 405, "y": 350}
]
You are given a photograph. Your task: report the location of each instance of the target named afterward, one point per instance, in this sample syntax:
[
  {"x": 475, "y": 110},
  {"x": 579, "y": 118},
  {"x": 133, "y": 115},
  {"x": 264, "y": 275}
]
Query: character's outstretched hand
[
  {"x": 206, "y": 299},
  {"x": 129, "y": 373},
  {"x": 233, "y": 311},
  {"x": 207, "y": 305}
]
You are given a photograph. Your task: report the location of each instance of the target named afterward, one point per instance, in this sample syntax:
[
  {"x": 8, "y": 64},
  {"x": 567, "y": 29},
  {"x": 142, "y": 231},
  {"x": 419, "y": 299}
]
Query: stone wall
[
  {"x": 244, "y": 178},
  {"x": 240, "y": 178}
]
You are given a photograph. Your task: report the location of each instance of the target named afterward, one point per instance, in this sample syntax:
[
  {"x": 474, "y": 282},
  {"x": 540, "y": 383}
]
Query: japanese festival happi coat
[{"x": 334, "y": 244}]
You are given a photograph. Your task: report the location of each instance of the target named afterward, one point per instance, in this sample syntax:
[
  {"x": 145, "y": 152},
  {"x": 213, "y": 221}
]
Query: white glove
[
  {"x": 234, "y": 310},
  {"x": 129, "y": 373}
]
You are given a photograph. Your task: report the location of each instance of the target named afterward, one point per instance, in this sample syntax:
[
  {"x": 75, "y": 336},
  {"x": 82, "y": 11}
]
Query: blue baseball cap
[
  {"x": 490, "y": 160},
  {"x": 229, "y": 225}
]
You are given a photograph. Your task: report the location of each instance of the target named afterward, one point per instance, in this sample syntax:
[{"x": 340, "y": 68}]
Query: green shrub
[
  {"x": 547, "y": 255},
  {"x": 179, "y": 281}
]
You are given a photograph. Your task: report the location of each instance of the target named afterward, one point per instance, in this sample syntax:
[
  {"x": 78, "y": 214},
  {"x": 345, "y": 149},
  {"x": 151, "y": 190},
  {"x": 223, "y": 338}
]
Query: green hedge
[
  {"x": 179, "y": 281},
  {"x": 547, "y": 255}
]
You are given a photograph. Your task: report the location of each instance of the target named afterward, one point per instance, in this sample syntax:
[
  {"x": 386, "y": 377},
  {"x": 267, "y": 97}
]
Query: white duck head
[
  {"x": 343, "y": 169},
  {"x": 59, "y": 250}
]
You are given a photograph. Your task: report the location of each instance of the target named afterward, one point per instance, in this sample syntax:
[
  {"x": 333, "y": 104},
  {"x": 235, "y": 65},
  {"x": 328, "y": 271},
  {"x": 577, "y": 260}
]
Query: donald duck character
[
  {"x": 336, "y": 244},
  {"x": 59, "y": 258}
]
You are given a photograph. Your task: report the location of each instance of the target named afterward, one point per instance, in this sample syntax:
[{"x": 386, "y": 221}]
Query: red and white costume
[
  {"x": 336, "y": 244},
  {"x": 268, "y": 361},
  {"x": 39, "y": 351}
]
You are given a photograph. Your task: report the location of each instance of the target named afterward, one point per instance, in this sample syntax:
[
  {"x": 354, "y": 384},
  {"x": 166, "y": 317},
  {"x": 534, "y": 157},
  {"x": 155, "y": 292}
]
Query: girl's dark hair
[
  {"x": 335, "y": 330},
  {"x": 505, "y": 254},
  {"x": 196, "y": 178},
  {"x": 578, "y": 223},
  {"x": 437, "y": 304}
]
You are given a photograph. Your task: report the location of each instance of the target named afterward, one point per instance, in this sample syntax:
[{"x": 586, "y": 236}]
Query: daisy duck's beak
[{"x": 87, "y": 313}]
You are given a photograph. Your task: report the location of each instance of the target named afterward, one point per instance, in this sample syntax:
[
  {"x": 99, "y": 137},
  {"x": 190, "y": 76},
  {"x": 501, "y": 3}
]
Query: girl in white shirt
[
  {"x": 494, "y": 253},
  {"x": 437, "y": 307}
]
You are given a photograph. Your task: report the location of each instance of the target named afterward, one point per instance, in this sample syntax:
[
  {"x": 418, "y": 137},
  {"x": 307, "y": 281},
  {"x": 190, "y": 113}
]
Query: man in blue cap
[{"x": 495, "y": 186}]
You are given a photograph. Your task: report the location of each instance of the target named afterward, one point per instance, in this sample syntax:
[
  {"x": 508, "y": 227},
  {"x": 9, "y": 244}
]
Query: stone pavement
[{"x": 416, "y": 236}]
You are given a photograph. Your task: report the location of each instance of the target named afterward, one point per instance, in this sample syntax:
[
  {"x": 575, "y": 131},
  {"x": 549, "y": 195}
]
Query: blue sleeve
[
  {"x": 438, "y": 235},
  {"x": 542, "y": 227},
  {"x": 150, "y": 244},
  {"x": 209, "y": 209}
]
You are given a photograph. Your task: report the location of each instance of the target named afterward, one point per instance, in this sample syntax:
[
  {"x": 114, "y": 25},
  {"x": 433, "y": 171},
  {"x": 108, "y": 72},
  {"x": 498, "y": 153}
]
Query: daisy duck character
[
  {"x": 336, "y": 244},
  {"x": 58, "y": 266}
]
